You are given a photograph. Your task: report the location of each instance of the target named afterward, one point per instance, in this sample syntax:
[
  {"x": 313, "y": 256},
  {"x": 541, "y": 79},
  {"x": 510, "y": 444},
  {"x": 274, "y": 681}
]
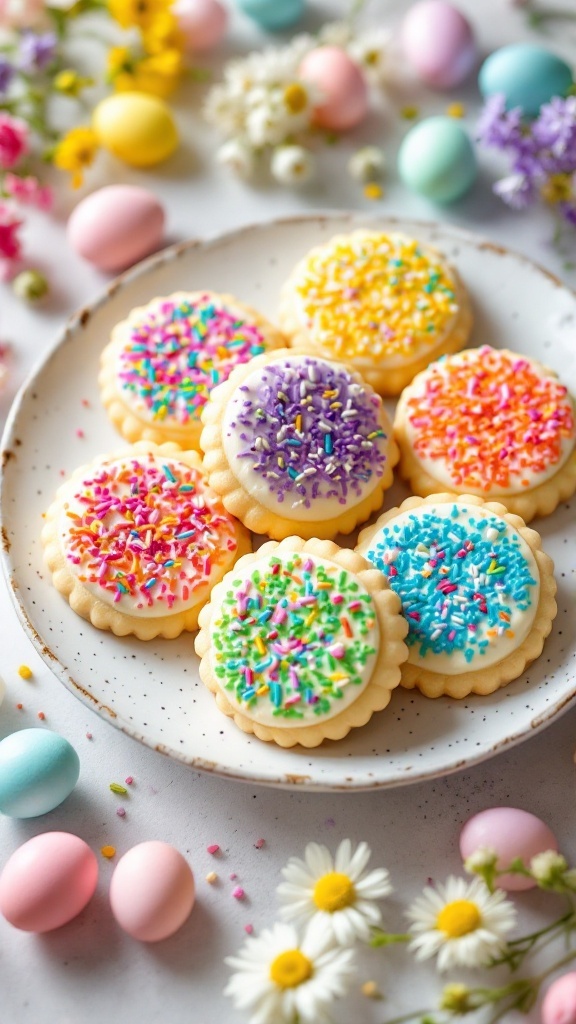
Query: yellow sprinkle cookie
[{"x": 383, "y": 302}]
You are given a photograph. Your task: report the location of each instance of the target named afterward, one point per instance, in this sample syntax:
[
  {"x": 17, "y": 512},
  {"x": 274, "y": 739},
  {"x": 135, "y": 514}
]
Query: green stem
[{"x": 380, "y": 938}]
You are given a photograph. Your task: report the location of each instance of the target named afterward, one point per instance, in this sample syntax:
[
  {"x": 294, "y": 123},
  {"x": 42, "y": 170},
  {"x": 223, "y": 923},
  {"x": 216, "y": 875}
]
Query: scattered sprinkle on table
[
  {"x": 80, "y": 433},
  {"x": 211, "y": 877},
  {"x": 117, "y": 788},
  {"x": 456, "y": 110},
  {"x": 129, "y": 780},
  {"x": 233, "y": 876},
  {"x": 373, "y": 190},
  {"x": 41, "y": 716},
  {"x": 25, "y": 672},
  {"x": 238, "y": 893},
  {"x": 213, "y": 848},
  {"x": 370, "y": 989},
  {"x": 88, "y": 735},
  {"x": 120, "y": 812},
  {"x": 260, "y": 843},
  {"x": 409, "y": 113},
  {"x": 108, "y": 851},
  {"x": 20, "y": 707},
  {"x": 249, "y": 929}
]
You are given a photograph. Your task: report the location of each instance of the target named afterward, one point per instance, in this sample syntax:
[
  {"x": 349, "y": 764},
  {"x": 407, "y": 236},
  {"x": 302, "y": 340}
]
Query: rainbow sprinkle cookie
[
  {"x": 476, "y": 589},
  {"x": 493, "y": 423},
  {"x": 297, "y": 444},
  {"x": 383, "y": 303},
  {"x": 136, "y": 541},
  {"x": 301, "y": 642},
  {"x": 164, "y": 359}
]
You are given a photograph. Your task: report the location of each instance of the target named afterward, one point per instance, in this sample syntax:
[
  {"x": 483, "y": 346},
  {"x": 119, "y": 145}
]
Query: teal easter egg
[
  {"x": 526, "y": 74},
  {"x": 38, "y": 770},
  {"x": 437, "y": 160},
  {"x": 273, "y": 14}
]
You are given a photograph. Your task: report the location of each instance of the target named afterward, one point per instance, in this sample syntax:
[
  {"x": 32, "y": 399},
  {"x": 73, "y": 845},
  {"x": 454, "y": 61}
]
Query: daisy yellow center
[
  {"x": 334, "y": 891},
  {"x": 295, "y": 97},
  {"x": 458, "y": 918},
  {"x": 290, "y": 969}
]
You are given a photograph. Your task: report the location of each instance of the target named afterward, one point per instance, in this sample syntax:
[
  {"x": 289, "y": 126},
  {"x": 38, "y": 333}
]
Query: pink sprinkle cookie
[
  {"x": 162, "y": 362},
  {"x": 137, "y": 540},
  {"x": 493, "y": 423}
]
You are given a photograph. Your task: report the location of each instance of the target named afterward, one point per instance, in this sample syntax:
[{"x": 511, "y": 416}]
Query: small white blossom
[
  {"x": 280, "y": 977},
  {"x": 367, "y": 164},
  {"x": 483, "y": 858},
  {"x": 462, "y": 923},
  {"x": 548, "y": 866},
  {"x": 371, "y": 52},
  {"x": 292, "y": 165},
  {"x": 237, "y": 157},
  {"x": 336, "y": 893}
]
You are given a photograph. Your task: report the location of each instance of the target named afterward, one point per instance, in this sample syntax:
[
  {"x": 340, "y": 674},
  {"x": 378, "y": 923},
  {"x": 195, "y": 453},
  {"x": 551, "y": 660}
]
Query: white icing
[
  {"x": 262, "y": 711},
  {"x": 521, "y": 621},
  {"x": 441, "y": 470},
  {"x": 291, "y": 506},
  {"x": 136, "y": 604}
]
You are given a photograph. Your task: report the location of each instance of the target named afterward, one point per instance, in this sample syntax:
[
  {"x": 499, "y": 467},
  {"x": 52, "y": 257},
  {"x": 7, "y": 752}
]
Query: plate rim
[{"x": 75, "y": 322}]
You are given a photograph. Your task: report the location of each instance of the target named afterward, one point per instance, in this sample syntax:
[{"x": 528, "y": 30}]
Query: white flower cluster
[{"x": 264, "y": 108}]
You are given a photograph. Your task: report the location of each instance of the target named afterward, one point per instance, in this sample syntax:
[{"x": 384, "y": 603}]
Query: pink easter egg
[
  {"x": 512, "y": 833},
  {"x": 47, "y": 882},
  {"x": 152, "y": 891},
  {"x": 344, "y": 92},
  {"x": 116, "y": 226},
  {"x": 203, "y": 23},
  {"x": 559, "y": 1003},
  {"x": 439, "y": 43}
]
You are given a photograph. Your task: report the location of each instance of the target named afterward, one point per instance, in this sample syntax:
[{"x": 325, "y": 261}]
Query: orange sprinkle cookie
[
  {"x": 384, "y": 303},
  {"x": 493, "y": 423}
]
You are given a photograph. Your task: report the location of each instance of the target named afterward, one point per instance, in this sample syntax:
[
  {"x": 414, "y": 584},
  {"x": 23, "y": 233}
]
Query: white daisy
[
  {"x": 281, "y": 978},
  {"x": 334, "y": 892},
  {"x": 371, "y": 51},
  {"x": 462, "y": 922},
  {"x": 292, "y": 165}
]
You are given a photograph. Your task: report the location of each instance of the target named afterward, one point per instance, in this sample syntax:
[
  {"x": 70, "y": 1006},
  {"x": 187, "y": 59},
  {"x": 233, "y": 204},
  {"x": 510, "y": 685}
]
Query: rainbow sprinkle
[
  {"x": 279, "y": 640},
  {"x": 309, "y": 430},
  {"x": 492, "y": 418},
  {"x": 178, "y": 351},
  {"x": 461, "y": 578},
  {"x": 376, "y": 296},
  {"x": 147, "y": 532}
]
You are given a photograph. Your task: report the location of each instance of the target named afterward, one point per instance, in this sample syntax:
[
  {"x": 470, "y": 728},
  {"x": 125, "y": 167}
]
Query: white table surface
[{"x": 90, "y": 972}]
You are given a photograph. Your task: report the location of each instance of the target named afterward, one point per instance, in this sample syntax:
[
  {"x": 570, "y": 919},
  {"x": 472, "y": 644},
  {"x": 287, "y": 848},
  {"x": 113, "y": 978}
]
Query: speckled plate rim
[{"x": 78, "y": 320}]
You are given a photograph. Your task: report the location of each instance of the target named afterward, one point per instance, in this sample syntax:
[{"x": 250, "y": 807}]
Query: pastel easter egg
[
  {"x": 512, "y": 833},
  {"x": 527, "y": 75},
  {"x": 203, "y": 23},
  {"x": 559, "y": 1003},
  {"x": 342, "y": 85},
  {"x": 38, "y": 770},
  {"x": 272, "y": 14},
  {"x": 439, "y": 43},
  {"x": 47, "y": 882},
  {"x": 137, "y": 128},
  {"x": 152, "y": 891},
  {"x": 116, "y": 226},
  {"x": 437, "y": 160}
]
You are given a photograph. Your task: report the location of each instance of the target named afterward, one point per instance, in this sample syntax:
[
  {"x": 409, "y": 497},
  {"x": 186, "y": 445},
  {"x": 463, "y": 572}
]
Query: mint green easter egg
[{"x": 437, "y": 160}]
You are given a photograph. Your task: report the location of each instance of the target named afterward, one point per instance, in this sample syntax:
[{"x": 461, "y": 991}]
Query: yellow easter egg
[{"x": 137, "y": 128}]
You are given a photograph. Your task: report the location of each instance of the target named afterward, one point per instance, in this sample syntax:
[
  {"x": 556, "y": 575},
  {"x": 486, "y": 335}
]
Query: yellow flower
[
  {"x": 71, "y": 83},
  {"x": 163, "y": 34},
  {"x": 75, "y": 151},
  {"x": 139, "y": 13},
  {"x": 558, "y": 189},
  {"x": 157, "y": 74}
]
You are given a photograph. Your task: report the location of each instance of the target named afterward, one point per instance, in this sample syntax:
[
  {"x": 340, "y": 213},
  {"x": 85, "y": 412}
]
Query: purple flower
[
  {"x": 37, "y": 51},
  {"x": 498, "y": 127},
  {"x": 517, "y": 190},
  {"x": 568, "y": 211},
  {"x": 554, "y": 132},
  {"x": 6, "y": 74}
]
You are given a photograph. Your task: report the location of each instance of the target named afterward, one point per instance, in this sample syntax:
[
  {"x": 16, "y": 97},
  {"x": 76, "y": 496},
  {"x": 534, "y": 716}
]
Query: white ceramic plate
[{"x": 152, "y": 691}]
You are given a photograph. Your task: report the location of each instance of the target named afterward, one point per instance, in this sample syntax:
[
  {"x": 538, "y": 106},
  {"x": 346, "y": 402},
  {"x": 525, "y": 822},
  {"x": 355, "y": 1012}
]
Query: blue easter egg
[
  {"x": 273, "y": 14},
  {"x": 437, "y": 160},
  {"x": 526, "y": 74},
  {"x": 38, "y": 770}
]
